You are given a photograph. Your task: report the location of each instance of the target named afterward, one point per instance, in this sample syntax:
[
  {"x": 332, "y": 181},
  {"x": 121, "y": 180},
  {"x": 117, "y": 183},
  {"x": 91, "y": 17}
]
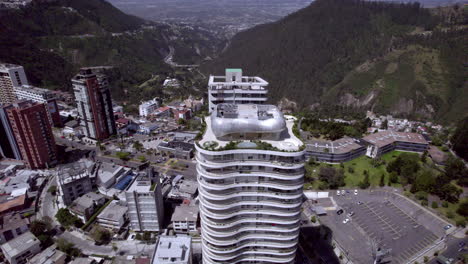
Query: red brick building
[{"x": 33, "y": 133}]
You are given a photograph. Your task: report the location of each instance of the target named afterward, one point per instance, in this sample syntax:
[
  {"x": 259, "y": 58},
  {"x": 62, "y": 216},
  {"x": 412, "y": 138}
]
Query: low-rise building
[
  {"x": 50, "y": 255},
  {"x": 108, "y": 174},
  {"x": 177, "y": 149},
  {"x": 74, "y": 181},
  {"x": 21, "y": 248},
  {"x": 341, "y": 150},
  {"x": 114, "y": 216},
  {"x": 11, "y": 226},
  {"x": 173, "y": 250},
  {"x": 185, "y": 190},
  {"x": 145, "y": 202},
  {"x": 386, "y": 141},
  {"x": 148, "y": 107},
  {"x": 147, "y": 128},
  {"x": 162, "y": 112},
  {"x": 185, "y": 218},
  {"x": 171, "y": 83},
  {"x": 85, "y": 206}
]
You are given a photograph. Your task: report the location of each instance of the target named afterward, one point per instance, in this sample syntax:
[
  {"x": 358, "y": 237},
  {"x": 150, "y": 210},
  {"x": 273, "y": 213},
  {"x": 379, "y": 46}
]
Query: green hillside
[
  {"x": 354, "y": 55},
  {"x": 53, "y": 39}
]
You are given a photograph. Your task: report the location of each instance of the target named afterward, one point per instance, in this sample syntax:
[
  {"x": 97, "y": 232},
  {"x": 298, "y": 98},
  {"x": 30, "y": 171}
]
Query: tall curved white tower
[{"x": 250, "y": 174}]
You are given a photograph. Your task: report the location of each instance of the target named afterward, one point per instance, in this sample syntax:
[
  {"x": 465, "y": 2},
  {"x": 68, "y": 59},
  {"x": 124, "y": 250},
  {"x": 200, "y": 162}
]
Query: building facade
[
  {"x": 11, "y": 76},
  {"x": 22, "y": 248},
  {"x": 8, "y": 145},
  {"x": 386, "y": 141},
  {"x": 43, "y": 96},
  {"x": 145, "y": 202},
  {"x": 148, "y": 107},
  {"x": 337, "y": 151},
  {"x": 250, "y": 169},
  {"x": 74, "y": 181},
  {"x": 94, "y": 103},
  {"x": 32, "y": 130},
  {"x": 233, "y": 88}
]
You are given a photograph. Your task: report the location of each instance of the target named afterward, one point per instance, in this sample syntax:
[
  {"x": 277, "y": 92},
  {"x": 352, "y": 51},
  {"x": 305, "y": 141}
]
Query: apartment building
[
  {"x": 250, "y": 168},
  {"x": 43, "y": 96},
  {"x": 233, "y": 88},
  {"x": 11, "y": 76},
  {"x": 32, "y": 130},
  {"x": 94, "y": 103},
  {"x": 74, "y": 181},
  {"x": 386, "y": 141}
]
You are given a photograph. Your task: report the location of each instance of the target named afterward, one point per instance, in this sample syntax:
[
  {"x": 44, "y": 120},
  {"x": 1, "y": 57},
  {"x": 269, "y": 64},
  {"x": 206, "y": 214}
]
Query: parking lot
[{"x": 382, "y": 219}]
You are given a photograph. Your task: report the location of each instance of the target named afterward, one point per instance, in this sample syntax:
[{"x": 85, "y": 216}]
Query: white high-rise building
[
  {"x": 11, "y": 76},
  {"x": 233, "y": 88},
  {"x": 250, "y": 169}
]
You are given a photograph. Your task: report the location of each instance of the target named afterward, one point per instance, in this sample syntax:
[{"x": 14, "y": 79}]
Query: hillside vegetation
[
  {"x": 352, "y": 54},
  {"x": 53, "y": 39}
]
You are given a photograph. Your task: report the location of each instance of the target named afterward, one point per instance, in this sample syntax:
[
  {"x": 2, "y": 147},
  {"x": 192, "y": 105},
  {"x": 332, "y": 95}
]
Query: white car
[
  {"x": 355, "y": 192},
  {"x": 343, "y": 192},
  {"x": 338, "y": 192},
  {"x": 346, "y": 221}
]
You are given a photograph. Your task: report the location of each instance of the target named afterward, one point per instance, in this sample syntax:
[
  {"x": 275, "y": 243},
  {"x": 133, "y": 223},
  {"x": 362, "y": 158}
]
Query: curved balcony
[
  {"x": 254, "y": 236},
  {"x": 260, "y": 243},
  {"x": 250, "y": 173},
  {"x": 241, "y": 219},
  {"x": 237, "y": 204},
  {"x": 249, "y": 151},
  {"x": 250, "y": 227},
  {"x": 254, "y": 193},
  {"x": 253, "y": 157},
  {"x": 289, "y": 185},
  {"x": 279, "y": 165},
  {"x": 263, "y": 255}
]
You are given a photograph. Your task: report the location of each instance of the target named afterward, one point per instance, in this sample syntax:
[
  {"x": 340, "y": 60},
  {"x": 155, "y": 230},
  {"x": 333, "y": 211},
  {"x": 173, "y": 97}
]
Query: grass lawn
[
  {"x": 452, "y": 209},
  {"x": 359, "y": 165}
]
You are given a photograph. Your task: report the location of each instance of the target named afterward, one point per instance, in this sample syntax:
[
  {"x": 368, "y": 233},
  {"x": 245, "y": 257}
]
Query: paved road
[
  {"x": 453, "y": 249},
  {"x": 48, "y": 201}
]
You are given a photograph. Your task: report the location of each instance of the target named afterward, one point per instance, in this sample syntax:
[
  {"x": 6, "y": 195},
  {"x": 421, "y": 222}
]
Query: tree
[
  {"x": 313, "y": 219},
  {"x": 333, "y": 177},
  {"x": 463, "y": 209},
  {"x": 393, "y": 178},
  {"x": 125, "y": 156},
  {"x": 460, "y": 139},
  {"x": 384, "y": 124},
  {"x": 52, "y": 189},
  {"x": 142, "y": 159},
  {"x": 425, "y": 181},
  {"x": 435, "y": 205},
  {"x": 68, "y": 248},
  {"x": 101, "y": 235},
  {"x": 39, "y": 227},
  {"x": 424, "y": 157},
  {"x": 137, "y": 145},
  {"x": 382, "y": 180},
  {"x": 66, "y": 219},
  {"x": 364, "y": 184}
]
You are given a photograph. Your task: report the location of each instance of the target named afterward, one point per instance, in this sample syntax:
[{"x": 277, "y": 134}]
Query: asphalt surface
[
  {"x": 382, "y": 220},
  {"x": 453, "y": 250}
]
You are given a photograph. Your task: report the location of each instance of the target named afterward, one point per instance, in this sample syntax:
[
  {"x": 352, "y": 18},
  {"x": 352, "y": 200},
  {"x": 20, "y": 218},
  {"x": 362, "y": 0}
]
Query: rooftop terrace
[
  {"x": 234, "y": 80},
  {"x": 242, "y": 123},
  {"x": 339, "y": 146}
]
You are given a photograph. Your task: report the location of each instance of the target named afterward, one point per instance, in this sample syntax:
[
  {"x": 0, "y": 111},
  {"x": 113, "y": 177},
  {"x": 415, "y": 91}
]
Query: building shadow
[{"x": 316, "y": 245}]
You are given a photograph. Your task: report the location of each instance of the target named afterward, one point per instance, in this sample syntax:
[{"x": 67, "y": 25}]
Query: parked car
[
  {"x": 350, "y": 214},
  {"x": 338, "y": 192},
  {"x": 346, "y": 221},
  {"x": 359, "y": 203},
  {"x": 343, "y": 192},
  {"x": 447, "y": 227},
  {"x": 355, "y": 192},
  {"x": 339, "y": 212}
]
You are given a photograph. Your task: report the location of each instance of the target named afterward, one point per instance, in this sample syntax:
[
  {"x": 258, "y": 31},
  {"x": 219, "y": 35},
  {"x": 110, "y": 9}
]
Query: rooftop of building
[
  {"x": 339, "y": 146},
  {"x": 12, "y": 221},
  {"x": 113, "y": 212},
  {"x": 229, "y": 119},
  {"x": 8, "y": 202},
  {"x": 185, "y": 213},
  {"x": 177, "y": 144},
  {"x": 86, "y": 201},
  {"x": 82, "y": 261},
  {"x": 20, "y": 244},
  {"x": 107, "y": 171},
  {"x": 143, "y": 183},
  {"x": 9, "y": 66},
  {"x": 34, "y": 89},
  {"x": 74, "y": 171},
  {"x": 171, "y": 249},
  {"x": 384, "y": 138},
  {"x": 50, "y": 255},
  {"x": 238, "y": 82}
]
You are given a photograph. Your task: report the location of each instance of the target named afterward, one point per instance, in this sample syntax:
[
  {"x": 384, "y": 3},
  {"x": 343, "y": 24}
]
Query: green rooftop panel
[{"x": 233, "y": 70}]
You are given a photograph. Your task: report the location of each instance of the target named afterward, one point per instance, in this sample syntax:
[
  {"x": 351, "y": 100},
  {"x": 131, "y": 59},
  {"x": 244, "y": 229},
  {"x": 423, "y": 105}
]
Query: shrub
[
  {"x": 313, "y": 219},
  {"x": 424, "y": 203},
  {"x": 351, "y": 169},
  {"x": 450, "y": 215},
  {"x": 426, "y": 259},
  {"x": 461, "y": 223},
  {"x": 421, "y": 195},
  {"x": 445, "y": 204},
  {"x": 435, "y": 205},
  {"x": 436, "y": 253}
]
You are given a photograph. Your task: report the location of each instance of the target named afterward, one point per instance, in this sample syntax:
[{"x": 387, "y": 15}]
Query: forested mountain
[
  {"x": 353, "y": 55},
  {"x": 52, "y": 39}
]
